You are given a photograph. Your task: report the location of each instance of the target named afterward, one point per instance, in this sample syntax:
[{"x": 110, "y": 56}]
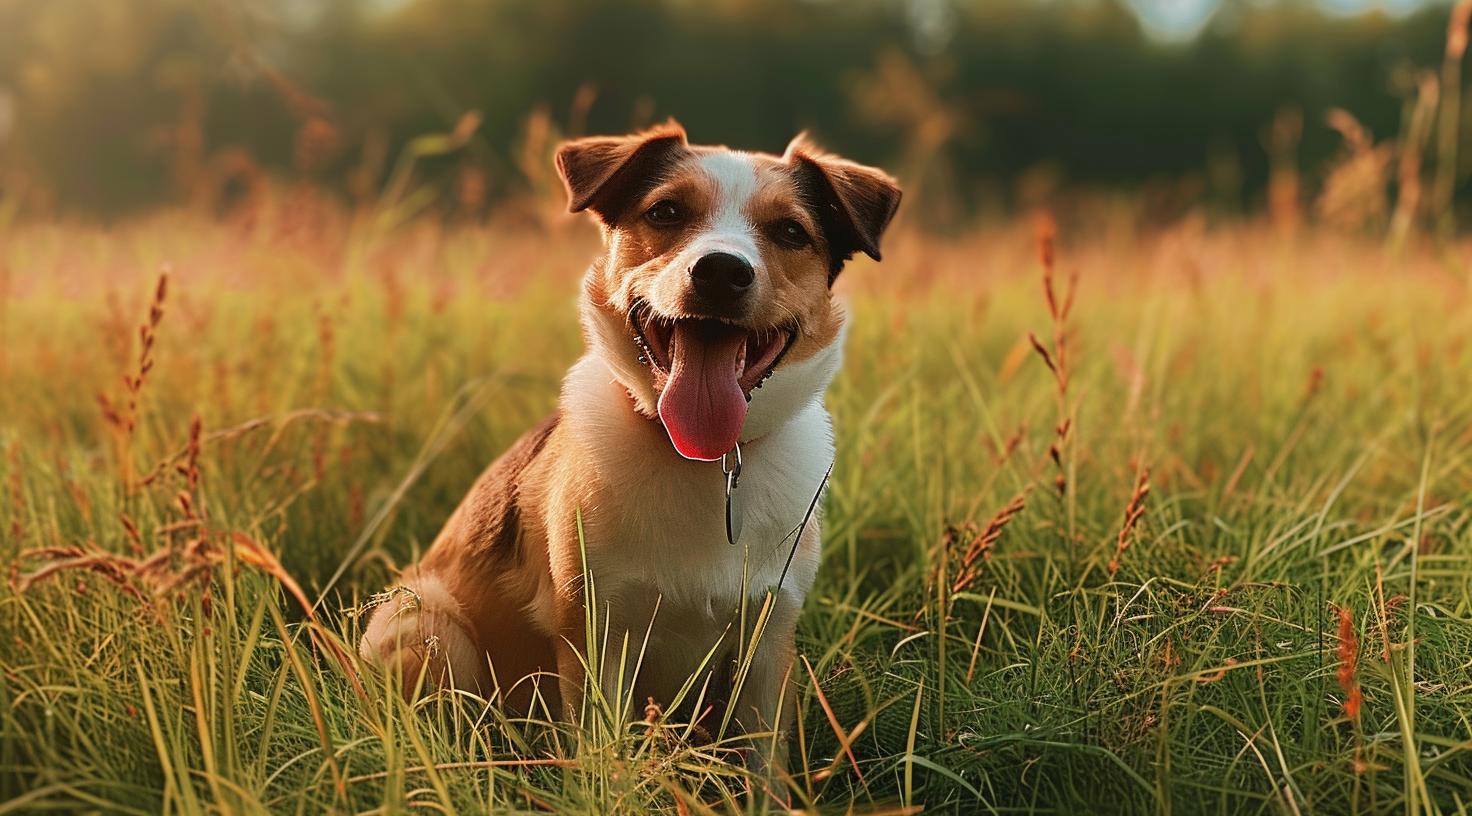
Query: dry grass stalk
[
  {"x": 130, "y": 527},
  {"x": 1058, "y": 357},
  {"x": 17, "y": 491},
  {"x": 157, "y": 578},
  {"x": 1281, "y": 140},
  {"x": 979, "y": 543},
  {"x": 1449, "y": 132},
  {"x": 845, "y": 738},
  {"x": 123, "y": 421},
  {"x": 190, "y": 558},
  {"x": 979, "y": 548},
  {"x": 327, "y": 338},
  {"x": 1354, "y": 195},
  {"x": 257, "y": 423},
  {"x": 1059, "y": 307},
  {"x": 1383, "y": 608},
  {"x": 1010, "y": 445},
  {"x": 147, "y": 335},
  {"x": 190, "y": 469},
  {"x": 1132, "y": 513},
  {"x": 1408, "y": 168},
  {"x": 115, "y": 569}
]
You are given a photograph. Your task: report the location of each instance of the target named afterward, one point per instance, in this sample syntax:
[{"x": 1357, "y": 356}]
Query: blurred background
[{"x": 111, "y": 107}]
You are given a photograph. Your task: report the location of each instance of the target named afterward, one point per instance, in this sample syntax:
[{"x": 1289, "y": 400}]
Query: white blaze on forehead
[{"x": 729, "y": 228}]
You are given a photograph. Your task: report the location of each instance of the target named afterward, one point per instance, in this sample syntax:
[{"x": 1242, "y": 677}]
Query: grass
[{"x": 1148, "y": 575}]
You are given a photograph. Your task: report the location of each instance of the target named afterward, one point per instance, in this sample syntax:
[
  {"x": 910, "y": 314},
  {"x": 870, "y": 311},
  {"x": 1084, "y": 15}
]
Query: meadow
[{"x": 1131, "y": 520}]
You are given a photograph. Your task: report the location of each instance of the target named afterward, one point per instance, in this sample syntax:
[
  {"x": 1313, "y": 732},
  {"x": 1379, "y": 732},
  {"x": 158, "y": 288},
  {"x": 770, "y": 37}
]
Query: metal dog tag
[{"x": 735, "y": 503}]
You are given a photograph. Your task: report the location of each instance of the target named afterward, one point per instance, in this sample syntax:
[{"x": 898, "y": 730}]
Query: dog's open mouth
[{"x": 705, "y": 370}]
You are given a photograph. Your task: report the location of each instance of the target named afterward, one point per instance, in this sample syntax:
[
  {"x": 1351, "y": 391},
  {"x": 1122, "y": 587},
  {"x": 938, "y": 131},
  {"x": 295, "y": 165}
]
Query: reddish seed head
[
  {"x": 1348, "y": 652},
  {"x": 1132, "y": 513}
]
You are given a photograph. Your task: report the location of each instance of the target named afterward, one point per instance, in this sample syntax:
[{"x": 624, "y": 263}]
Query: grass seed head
[
  {"x": 980, "y": 546},
  {"x": 1348, "y": 651},
  {"x": 1132, "y": 513}
]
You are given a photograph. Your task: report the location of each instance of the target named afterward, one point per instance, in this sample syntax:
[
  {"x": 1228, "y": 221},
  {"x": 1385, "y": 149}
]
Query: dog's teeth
[{"x": 645, "y": 357}]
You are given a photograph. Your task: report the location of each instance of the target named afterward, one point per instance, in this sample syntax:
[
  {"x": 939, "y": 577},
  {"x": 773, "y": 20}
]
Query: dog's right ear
[{"x": 605, "y": 173}]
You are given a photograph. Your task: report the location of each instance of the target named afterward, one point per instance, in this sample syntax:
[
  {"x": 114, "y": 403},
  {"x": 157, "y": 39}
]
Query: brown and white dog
[{"x": 709, "y": 321}]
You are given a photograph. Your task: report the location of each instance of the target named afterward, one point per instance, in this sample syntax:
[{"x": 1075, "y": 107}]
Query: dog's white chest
[{"x": 660, "y": 529}]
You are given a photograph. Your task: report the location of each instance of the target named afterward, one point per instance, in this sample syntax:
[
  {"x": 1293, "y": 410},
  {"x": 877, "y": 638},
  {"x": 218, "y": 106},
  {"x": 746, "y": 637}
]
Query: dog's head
[{"x": 718, "y": 274}]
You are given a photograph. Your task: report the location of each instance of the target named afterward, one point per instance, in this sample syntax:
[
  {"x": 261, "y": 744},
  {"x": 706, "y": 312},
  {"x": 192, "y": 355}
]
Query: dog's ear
[
  {"x": 605, "y": 173},
  {"x": 854, "y": 202}
]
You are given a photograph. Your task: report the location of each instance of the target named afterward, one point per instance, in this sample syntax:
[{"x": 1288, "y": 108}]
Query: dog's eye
[
  {"x": 665, "y": 213},
  {"x": 791, "y": 234}
]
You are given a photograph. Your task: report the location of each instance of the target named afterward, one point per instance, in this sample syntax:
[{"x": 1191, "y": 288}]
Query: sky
[{"x": 1179, "y": 20}]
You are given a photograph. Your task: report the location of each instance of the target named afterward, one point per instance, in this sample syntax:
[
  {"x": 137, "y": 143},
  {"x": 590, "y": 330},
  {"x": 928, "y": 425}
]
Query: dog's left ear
[
  {"x": 604, "y": 173},
  {"x": 854, "y": 202}
]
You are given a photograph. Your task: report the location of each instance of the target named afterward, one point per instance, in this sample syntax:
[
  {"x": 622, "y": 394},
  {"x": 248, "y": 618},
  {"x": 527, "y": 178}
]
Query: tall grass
[{"x": 1218, "y": 559}]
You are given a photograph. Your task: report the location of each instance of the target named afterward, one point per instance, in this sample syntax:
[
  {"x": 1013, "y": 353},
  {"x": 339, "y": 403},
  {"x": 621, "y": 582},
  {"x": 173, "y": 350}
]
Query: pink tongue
[{"x": 702, "y": 406}]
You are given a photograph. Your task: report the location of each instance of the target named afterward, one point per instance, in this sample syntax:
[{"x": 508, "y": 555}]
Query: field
[{"x": 1192, "y": 537}]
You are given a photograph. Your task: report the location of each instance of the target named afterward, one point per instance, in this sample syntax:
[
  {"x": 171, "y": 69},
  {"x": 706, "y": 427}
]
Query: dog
[{"x": 712, "y": 334}]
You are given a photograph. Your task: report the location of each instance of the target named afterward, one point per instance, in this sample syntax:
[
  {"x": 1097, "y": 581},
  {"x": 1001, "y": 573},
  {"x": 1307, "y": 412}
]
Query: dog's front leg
[
  {"x": 617, "y": 651},
  {"x": 568, "y": 650},
  {"x": 766, "y": 706}
]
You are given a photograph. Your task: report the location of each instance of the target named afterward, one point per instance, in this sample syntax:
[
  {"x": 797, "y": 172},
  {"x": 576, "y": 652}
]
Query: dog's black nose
[{"x": 721, "y": 276}]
